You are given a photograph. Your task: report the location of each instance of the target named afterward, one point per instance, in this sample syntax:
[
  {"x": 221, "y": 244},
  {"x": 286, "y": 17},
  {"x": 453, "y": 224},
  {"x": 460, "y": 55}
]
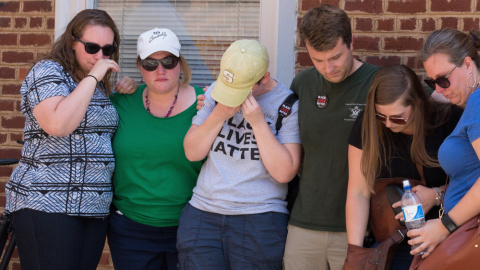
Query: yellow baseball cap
[{"x": 243, "y": 64}]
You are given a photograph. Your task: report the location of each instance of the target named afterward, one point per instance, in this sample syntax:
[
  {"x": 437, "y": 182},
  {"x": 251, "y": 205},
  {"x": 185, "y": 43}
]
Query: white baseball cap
[
  {"x": 157, "y": 39},
  {"x": 243, "y": 64}
]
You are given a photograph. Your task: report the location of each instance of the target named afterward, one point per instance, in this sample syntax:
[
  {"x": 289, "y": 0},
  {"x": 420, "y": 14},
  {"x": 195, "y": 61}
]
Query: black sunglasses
[
  {"x": 393, "y": 119},
  {"x": 93, "y": 48},
  {"x": 168, "y": 62},
  {"x": 441, "y": 81}
]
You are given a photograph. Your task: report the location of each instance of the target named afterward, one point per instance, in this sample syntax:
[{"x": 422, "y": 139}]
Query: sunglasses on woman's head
[
  {"x": 441, "y": 81},
  {"x": 93, "y": 48},
  {"x": 393, "y": 119},
  {"x": 168, "y": 62}
]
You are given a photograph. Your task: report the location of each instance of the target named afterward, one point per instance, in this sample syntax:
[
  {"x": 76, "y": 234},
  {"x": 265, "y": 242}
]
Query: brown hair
[
  {"x": 390, "y": 84},
  {"x": 454, "y": 43},
  {"x": 62, "y": 51},
  {"x": 323, "y": 25},
  {"x": 184, "y": 68}
]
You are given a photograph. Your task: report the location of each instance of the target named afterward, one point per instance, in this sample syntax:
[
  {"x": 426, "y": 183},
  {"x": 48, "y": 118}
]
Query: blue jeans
[
  {"x": 135, "y": 245},
  {"x": 56, "y": 241},
  {"x": 403, "y": 258},
  {"x": 213, "y": 241}
]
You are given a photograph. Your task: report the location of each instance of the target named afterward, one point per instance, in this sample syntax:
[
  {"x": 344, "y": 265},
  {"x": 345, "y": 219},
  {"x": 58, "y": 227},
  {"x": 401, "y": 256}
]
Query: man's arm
[
  {"x": 200, "y": 138},
  {"x": 281, "y": 160}
]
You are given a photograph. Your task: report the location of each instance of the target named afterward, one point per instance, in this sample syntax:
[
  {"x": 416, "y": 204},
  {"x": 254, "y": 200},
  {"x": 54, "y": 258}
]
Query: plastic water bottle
[{"x": 412, "y": 210}]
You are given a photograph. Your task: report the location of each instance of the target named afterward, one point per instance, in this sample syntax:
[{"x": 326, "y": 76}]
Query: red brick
[
  {"x": 364, "y": 24},
  {"x": 5, "y": 171},
  {"x": 412, "y": 62},
  {"x": 7, "y": 73},
  {"x": 428, "y": 25},
  {"x": 36, "y": 22},
  {"x": 383, "y": 61},
  {"x": 449, "y": 22},
  {"x": 369, "y": 6},
  {"x": 40, "y": 6},
  {"x": 2, "y": 184},
  {"x": 104, "y": 259},
  {"x": 366, "y": 43},
  {"x": 308, "y": 4},
  {"x": 16, "y": 137},
  {"x": 408, "y": 24},
  {"x": 16, "y": 265},
  {"x": 20, "y": 22},
  {"x": 6, "y": 105},
  {"x": 13, "y": 122},
  {"x": 407, "y": 7},
  {"x": 18, "y": 104},
  {"x": 5, "y": 22},
  {"x": 470, "y": 24},
  {"x": 17, "y": 57},
  {"x": 3, "y": 199},
  {"x": 450, "y": 6},
  {"x": 35, "y": 39},
  {"x": 9, "y": 6},
  {"x": 11, "y": 153},
  {"x": 8, "y": 39},
  {"x": 304, "y": 60},
  {"x": 11, "y": 89},
  {"x": 403, "y": 44},
  {"x": 51, "y": 23},
  {"x": 3, "y": 139},
  {"x": 385, "y": 24},
  {"x": 22, "y": 73}
]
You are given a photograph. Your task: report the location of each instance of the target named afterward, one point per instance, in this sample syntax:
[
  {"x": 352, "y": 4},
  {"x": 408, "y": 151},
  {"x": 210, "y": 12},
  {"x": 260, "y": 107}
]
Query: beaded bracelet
[{"x": 89, "y": 75}]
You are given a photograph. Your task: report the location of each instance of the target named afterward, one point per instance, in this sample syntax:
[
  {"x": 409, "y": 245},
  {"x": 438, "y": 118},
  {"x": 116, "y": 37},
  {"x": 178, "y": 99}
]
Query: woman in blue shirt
[{"x": 451, "y": 60}]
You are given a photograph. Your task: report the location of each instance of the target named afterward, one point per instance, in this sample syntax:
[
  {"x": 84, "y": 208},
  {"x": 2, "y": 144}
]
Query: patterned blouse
[{"x": 68, "y": 175}]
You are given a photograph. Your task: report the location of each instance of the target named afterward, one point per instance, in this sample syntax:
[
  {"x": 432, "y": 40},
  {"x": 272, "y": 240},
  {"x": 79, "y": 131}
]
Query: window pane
[{"x": 205, "y": 29}]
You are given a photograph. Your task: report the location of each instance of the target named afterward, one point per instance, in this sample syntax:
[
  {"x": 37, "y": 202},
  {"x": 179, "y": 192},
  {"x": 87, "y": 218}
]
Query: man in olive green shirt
[{"x": 331, "y": 95}]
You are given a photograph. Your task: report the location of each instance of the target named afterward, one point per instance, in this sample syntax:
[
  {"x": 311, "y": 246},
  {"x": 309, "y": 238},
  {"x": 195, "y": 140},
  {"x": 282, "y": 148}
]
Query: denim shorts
[{"x": 212, "y": 241}]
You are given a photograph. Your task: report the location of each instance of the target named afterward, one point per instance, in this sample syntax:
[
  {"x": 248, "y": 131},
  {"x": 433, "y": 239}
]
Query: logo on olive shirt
[{"x": 354, "y": 112}]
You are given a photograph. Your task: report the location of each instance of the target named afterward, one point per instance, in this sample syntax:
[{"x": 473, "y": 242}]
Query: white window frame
[{"x": 274, "y": 15}]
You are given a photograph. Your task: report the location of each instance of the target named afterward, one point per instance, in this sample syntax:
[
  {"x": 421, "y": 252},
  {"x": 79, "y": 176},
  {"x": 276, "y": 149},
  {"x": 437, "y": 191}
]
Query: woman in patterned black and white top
[{"x": 60, "y": 193}]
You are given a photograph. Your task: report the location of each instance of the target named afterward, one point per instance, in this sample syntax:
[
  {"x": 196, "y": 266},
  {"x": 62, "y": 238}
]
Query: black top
[{"x": 400, "y": 162}]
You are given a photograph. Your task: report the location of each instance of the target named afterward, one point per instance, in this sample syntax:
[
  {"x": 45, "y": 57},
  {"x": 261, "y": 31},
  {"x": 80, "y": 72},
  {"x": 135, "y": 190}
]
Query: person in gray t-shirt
[{"x": 237, "y": 217}]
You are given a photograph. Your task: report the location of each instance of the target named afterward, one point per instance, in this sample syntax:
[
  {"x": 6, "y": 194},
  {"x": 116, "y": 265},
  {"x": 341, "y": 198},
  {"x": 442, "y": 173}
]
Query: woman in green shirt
[{"x": 153, "y": 179}]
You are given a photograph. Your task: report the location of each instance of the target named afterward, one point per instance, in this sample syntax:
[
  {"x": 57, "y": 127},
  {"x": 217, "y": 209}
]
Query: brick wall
[
  {"x": 393, "y": 31},
  {"x": 386, "y": 32},
  {"x": 26, "y": 30}
]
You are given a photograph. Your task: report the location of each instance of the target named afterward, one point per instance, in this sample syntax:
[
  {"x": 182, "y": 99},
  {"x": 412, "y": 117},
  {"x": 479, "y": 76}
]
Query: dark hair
[
  {"x": 390, "y": 84},
  {"x": 62, "y": 51},
  {"x": 454, "y": 43},
  {"x": 323, "y": 25}
]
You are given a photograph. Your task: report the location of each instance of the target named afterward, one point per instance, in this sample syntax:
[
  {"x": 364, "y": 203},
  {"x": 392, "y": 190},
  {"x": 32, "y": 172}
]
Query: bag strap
[
  {"x": 285, "y": 110},
  {"x": 380, "y": 255}
]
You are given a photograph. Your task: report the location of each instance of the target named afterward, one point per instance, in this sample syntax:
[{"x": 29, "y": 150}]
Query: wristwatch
[{"x": 448, "y": 223}]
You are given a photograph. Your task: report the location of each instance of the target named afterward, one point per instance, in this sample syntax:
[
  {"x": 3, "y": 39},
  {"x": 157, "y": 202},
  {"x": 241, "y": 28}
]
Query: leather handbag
[
  {"x": 384, "y": 226},
  {"x": 460, "y": 250},
  {"x": 382, "y": 219},
  {"x": 378, "y": 258}
]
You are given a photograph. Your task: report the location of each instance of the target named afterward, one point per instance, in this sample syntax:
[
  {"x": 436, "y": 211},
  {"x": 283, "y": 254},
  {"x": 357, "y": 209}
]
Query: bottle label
[{"x": 413, "y": 212}]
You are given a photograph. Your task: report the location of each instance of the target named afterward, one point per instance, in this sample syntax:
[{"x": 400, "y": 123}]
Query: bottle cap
[{"x": 406, "y": 183}]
